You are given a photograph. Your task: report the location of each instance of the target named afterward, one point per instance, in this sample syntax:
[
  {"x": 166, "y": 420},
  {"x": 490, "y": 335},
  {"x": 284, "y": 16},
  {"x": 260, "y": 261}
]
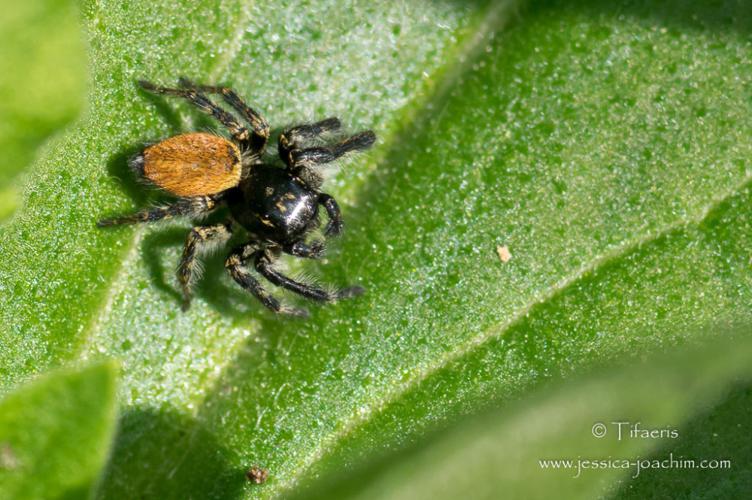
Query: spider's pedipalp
[
  {"x": 313, "y": 250},
  {"x": 335, "y": 224}
]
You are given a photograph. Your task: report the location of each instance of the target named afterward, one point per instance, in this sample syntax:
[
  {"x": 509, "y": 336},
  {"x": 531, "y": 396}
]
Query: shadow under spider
[
  {"x": 209, "y": 285},
  {"x": 117, "y": 167},
  {"x": 213, "y": 285}
]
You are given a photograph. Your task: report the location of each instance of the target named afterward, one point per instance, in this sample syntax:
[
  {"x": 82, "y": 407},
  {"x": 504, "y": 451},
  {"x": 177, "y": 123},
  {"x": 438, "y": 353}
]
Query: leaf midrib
[
  {"x": 130, "y": 255},
  {"x": 436, "y": 86},
  {"x": 494, "y": 19}
]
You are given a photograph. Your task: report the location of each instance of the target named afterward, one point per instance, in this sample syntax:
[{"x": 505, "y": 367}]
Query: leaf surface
[
  {"x": 590, "y": 141},
  {"x": 42, "y": 76},
  {"x": 55, "y": 434},
  {"x": 581, "y": 439}
]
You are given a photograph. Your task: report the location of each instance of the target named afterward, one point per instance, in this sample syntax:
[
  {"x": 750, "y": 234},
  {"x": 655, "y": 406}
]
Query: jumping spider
[{"x": 278, "y": 207}]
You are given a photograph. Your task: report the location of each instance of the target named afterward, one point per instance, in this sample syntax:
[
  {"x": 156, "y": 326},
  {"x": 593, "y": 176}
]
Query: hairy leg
[
  {"x": 198, "y": 205},
  {"x": 238, "y": 131},
  {"x": 259, "y": 126},
  {"x": 198, "y": 239},
  {"x": 265, "y": 268},
  {"x": 235, "y": 265},
  {"x": 293, "y": 138},
  {"x": 319, "y": 155}
]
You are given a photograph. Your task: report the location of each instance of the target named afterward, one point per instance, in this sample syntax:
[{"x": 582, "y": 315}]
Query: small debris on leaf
[
  {"x": 257, "y": 475},
  {"x": 8, "y": 460},
  {"x": 503, "y": 253}
]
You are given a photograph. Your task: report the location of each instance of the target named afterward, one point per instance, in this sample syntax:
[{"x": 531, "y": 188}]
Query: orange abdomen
[{"x": 193, "y": 164}]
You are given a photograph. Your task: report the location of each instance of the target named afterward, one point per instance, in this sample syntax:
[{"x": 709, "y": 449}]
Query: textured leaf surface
[
  {"x": 55, "y": 434},
  {"x": 546, "y": 442},
  {"x": 591, "y": 141}
]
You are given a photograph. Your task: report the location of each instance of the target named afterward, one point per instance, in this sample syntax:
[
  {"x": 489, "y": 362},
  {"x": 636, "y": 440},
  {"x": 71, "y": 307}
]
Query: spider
[{"x": 278, "y": 207}]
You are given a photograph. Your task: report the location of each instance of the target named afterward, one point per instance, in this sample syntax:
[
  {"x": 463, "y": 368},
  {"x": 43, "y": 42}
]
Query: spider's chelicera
[{"x": 277, "y": 206}]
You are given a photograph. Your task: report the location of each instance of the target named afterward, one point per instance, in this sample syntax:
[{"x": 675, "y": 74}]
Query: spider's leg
[
  {"x": 199, "y": 239},
  {"x": 235, "y": 265},
  {"x": 334, "y": 226},
  {"x": 239, "y": 133},
  {"x": 183, "y": 207},
  {"x": 264, "y": 267},
  {"x": 302, "y": 158},
  {"x": 293, "y": 138},
  {"x": 259, "y": 125}
]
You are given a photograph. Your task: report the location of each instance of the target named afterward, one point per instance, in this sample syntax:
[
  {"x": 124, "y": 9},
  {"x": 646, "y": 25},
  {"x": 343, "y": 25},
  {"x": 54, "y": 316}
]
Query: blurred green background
[{"x": 42, "y": 83}]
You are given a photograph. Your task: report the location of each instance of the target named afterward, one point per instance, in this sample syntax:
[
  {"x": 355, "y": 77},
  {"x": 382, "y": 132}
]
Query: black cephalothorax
[{"x": 278, "y": 206}]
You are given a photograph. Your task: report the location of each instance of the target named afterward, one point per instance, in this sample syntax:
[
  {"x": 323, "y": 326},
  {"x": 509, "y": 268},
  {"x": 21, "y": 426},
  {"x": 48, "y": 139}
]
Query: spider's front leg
[
  {"x": 301, "y": 162},
  {"x": 192, "y": 207},
  {"x": 308, "y": 157},
  {"x": 293, "y": 138}
]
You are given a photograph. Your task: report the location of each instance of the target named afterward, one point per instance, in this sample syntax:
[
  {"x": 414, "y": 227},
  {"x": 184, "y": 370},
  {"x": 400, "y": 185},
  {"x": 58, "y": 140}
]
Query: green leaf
[
  {"x": 55, "y": 434},
  {"x": 53, "y": 250},
  {"x": 590, "y": 140},
  {"x": 720, "y": 433},
  {"x": 42, "y": 75},
  {"x": 579, "y": 439}
]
